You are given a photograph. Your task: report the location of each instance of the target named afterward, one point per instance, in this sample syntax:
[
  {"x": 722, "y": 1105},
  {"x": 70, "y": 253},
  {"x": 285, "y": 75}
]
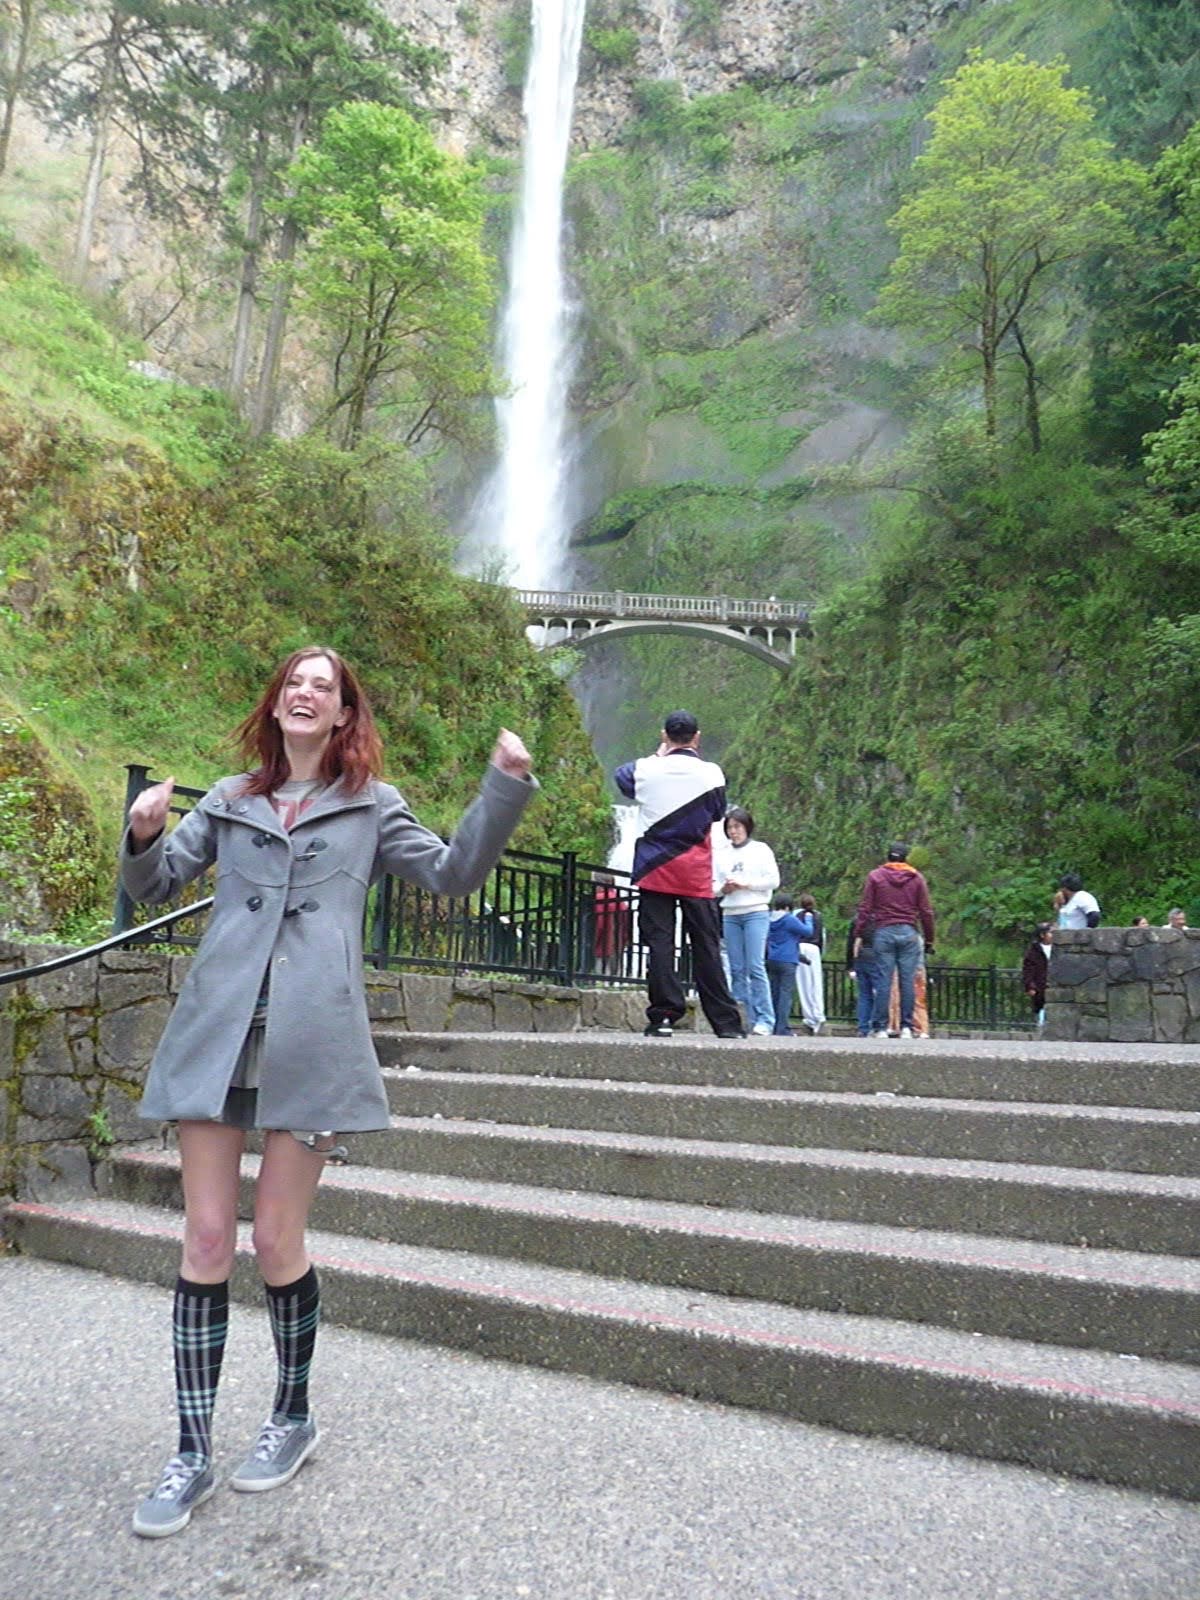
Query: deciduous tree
[
  {"x": 394, "y": 266},
  {"x": 1013, "y": 187}
]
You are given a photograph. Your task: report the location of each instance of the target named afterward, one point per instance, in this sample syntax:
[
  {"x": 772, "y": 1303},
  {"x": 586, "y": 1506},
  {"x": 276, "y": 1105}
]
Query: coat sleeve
[
  {"x": 161, "y": 868},
  {"x": 866, "y": 907},
  {"x": 925, "y": 907},
  {"x": 409, "y": 850},
  {"x": 626, "y": 780}
]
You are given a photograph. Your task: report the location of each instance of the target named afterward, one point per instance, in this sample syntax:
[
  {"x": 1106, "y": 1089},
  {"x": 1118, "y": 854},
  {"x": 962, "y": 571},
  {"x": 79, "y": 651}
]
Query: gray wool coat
[{"x": 293, "y": 903}]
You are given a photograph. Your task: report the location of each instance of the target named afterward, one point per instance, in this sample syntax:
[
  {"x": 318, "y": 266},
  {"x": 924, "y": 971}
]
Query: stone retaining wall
[
  {"x": 1125, "y": 985},
  {"x": 75, "y": 1045}
]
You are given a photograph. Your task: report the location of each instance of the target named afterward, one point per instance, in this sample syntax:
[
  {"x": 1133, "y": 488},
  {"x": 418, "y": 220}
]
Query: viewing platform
[{"x": 768, "y": 629}]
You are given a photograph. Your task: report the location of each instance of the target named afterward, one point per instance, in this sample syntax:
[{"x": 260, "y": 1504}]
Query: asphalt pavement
[{"x": 444, "y": 1476}]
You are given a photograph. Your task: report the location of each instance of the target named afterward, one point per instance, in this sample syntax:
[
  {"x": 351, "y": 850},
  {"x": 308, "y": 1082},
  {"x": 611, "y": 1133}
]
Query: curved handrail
[{"x": 130, "y": 936}]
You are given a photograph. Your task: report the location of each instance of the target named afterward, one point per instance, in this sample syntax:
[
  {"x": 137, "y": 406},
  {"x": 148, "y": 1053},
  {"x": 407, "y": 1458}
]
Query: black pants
[{"x": 702, "y": 920}]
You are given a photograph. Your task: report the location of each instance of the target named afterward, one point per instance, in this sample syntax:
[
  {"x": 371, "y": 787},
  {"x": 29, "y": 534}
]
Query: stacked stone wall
[
  {"x": 75, "y": 1046},
  {"x": 1124, "y": 985}
]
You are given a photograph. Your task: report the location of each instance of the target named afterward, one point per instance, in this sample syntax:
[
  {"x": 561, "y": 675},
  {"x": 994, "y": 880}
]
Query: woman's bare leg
[
  {"x": 287, "y": 1183},
  {"x": 211, "y": 1155}
]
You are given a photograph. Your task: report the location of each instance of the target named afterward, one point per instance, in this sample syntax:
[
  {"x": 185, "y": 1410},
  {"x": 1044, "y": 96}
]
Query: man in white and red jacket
[
  {"x": 896, "y": 913},
  {"x": 679, "y": 797}
]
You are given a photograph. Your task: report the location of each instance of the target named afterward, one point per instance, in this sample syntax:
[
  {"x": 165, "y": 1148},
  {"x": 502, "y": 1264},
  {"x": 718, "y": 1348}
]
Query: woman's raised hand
[
  {"x": 511, "y": 756},
  {"x": 148, "y": 813}
]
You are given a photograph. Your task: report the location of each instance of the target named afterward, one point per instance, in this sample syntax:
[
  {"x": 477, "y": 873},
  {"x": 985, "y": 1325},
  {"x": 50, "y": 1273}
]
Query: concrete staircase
[{"x": 989, "y": 1248}]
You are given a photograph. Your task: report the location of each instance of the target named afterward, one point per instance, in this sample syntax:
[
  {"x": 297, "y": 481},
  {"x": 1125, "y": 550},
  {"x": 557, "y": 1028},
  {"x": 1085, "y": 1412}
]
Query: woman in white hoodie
[{"x": 745, "y": 877}]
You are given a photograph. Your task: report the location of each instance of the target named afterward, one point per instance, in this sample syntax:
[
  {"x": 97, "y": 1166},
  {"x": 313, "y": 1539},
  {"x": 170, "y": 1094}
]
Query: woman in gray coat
[{"x": 270, "y": 1030}]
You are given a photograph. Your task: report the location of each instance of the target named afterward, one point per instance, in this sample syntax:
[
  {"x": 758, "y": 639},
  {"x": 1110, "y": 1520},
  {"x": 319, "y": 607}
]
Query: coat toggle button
[{"x": 255, "y": 902}]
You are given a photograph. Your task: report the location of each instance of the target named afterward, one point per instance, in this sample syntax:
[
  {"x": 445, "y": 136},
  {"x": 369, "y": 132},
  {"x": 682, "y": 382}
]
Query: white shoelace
[
  {"x": 177, "y": 1474},
  {"x": 270, "y": 1440}
]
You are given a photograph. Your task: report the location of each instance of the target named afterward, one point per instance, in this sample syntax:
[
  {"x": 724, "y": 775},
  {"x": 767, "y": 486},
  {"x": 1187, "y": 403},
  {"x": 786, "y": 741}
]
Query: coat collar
[{"x": 257, "y": 811}]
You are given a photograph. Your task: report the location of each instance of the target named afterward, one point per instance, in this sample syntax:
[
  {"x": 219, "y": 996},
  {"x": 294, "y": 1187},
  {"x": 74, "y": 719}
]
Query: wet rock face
[{"x": 704, "y": 45}]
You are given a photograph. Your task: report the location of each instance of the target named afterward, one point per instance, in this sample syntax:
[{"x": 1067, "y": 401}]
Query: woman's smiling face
[{"x": 310, "y": 706}]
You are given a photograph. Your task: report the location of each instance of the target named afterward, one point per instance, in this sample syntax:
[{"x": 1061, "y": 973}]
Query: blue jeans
[
  {"x": 898, "y": 948},
  {"x": 746, "y": 944},
  {"x": 781, "y": 977},
  {"x": 865, "y": 982}
]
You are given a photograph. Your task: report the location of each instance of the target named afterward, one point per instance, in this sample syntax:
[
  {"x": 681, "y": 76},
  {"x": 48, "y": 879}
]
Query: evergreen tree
[{"x": 1149, "y": 66}]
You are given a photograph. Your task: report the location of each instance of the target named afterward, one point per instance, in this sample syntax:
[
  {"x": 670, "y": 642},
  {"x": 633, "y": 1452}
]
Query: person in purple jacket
[{"x": 896, "y": 909}]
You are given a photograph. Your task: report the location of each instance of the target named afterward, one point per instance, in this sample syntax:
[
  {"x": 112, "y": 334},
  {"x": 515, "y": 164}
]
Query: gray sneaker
[
  {"x": 186, "y": 1482},
  {"x": 282, "y": 1448}
]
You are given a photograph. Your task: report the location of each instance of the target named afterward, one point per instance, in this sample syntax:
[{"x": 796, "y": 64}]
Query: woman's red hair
[{"x": 354, "y": 753}]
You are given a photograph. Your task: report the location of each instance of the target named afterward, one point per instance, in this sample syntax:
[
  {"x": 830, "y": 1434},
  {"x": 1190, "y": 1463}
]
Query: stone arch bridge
[{"x": 767, "y": 628}]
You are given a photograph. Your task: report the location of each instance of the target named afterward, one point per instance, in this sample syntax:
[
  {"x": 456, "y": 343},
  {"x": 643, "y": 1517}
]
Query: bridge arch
[
  {"x": 558, "y": 631},
  {"x": 767, "y": 629}
]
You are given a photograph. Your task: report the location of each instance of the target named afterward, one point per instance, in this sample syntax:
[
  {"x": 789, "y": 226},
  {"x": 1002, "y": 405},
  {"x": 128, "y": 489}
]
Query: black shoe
[
  {"x": 659, "y": 1030},
  {"x": 732, "y": 1033}
]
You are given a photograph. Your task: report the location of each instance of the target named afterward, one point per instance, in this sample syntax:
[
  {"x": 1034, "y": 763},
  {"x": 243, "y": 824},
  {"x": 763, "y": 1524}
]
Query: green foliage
[
  {"x": 515, "y": 32},
  {"x": 140, "y": 611},
  {"x": 996, "y": 690},
  {"x": 75, "y": 355},
  {"x": 614, "y": 48},
  {"x": 1013, "y": 185},
  {"x": 393, "y": 265},
  {"x": 101, "y": 1136},
  {"x": 1167, "y": 523},
  {"x": 1149, "y": 64}
]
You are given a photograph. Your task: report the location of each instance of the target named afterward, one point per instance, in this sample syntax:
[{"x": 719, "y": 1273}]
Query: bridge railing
[
  {"x": 561, "y": 920},
  {"x": 618, "y": 604}
]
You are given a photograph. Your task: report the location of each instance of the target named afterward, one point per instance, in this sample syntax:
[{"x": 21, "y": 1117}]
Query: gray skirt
[{"x": 241, "y": 1099}]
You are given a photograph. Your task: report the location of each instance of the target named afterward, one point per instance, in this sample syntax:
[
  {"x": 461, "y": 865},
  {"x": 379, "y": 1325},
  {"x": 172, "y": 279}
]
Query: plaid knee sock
[
  {"x": 199, "y": 1323},
  {"x": 295, "y": 1311}
]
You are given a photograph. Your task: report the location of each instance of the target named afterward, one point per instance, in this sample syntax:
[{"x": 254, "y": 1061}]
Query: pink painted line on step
[
  {"x": 713, "y": 1230},
  {"x": 762, "y": 1337}
]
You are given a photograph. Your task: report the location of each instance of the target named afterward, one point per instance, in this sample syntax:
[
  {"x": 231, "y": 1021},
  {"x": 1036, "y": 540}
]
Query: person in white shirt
[
  {"x": 810, "y": 981},
  {"x": 1081, "y": 909},
  {"x": 745, "y": 875},
  {"x": 1177, "y": 919}
]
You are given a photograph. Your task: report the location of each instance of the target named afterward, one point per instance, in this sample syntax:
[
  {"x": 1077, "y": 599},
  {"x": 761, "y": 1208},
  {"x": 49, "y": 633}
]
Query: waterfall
[
  {"x": 620, "y": 857},
  {"x": 523, "y": 511}
]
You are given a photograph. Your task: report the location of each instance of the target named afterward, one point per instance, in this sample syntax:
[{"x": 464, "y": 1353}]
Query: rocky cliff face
[{"x": 706, "y": 46}]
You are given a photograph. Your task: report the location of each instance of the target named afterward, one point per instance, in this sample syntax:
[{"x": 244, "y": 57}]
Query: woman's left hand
[{"x": 511, "y": 756}]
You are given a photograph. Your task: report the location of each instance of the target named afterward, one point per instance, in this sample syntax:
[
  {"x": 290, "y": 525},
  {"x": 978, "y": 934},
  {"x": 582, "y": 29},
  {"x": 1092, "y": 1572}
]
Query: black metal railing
[
  {"x": 990, "y": 999},
  {"x": 545, "y": 919},
  {"x": 140, "y": 935}
]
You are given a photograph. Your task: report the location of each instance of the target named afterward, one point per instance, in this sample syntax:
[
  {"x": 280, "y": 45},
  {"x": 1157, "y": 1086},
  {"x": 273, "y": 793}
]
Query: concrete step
[
  {"x": 1120, "y": 1138},
  {"x": 1145, "y": 1212},
  {"x": 1086, "y": 1412},
  {"x": 1142, "y": 1305},
  {"x": 1139, "y": 1075}
]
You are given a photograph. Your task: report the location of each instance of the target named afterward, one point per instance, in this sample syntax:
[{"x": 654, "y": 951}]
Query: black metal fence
[{"x": 562, "y": 920}]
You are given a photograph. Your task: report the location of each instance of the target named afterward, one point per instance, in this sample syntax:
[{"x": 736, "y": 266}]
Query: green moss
[{"x": 144, "y": 600}]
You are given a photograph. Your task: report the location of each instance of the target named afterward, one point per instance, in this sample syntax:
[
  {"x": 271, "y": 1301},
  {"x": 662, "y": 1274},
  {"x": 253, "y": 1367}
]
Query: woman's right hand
[{"x": 148, "y": 813}]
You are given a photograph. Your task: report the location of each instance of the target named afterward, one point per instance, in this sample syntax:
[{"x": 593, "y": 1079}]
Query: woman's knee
[
  {"x": 277, "y": 1239},
  {"x": 208, "y": 1248}
]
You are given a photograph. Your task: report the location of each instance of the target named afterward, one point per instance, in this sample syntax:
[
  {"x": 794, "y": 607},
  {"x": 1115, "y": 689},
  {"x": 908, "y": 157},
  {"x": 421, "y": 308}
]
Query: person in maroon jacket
[{"x": 896, "y": 911}]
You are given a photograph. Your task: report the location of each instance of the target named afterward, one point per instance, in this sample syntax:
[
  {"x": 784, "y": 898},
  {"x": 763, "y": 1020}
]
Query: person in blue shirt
[{"x": 785, "y": 934}]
